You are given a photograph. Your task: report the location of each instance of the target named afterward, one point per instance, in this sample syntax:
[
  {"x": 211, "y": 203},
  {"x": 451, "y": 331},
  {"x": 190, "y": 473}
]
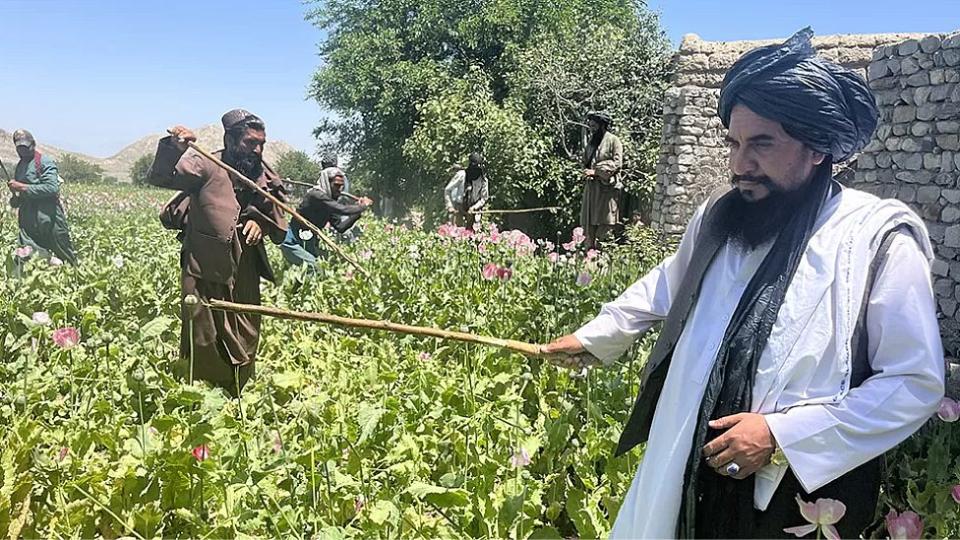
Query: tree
[
  {"x": 77, "y": 170},
  {"x": 418, "y": 85},
  {"x": 140, "y": 169},
  {"x": 297, "y": 165}
]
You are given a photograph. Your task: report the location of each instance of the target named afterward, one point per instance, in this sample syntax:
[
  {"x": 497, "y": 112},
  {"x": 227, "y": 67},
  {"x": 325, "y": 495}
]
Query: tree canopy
[{"x": 418, "y": 85}]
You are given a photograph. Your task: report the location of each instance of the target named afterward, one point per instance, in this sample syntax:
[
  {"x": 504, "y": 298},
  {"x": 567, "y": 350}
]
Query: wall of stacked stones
[
  {"x": 915, "y": 155},
  {"x": 693, "y": 158}
]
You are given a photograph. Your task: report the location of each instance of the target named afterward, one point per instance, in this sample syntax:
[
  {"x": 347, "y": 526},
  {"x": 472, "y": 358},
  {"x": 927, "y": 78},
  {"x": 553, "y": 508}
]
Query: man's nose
[{"x": 741, "y": 163}]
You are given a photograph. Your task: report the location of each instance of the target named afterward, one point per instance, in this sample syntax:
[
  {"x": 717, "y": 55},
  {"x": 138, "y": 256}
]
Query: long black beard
[
  {"x": 249, "y": 164},
  {"x": 752, "y": 223}
]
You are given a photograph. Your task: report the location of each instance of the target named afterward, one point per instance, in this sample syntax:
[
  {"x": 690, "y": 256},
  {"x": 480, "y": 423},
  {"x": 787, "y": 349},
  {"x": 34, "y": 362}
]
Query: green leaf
[
  {"x": 383, "y": 512},
  {"x": 156, "y": 327},
  {"x": 368, "y": 417},
  {"x": 440, "y": 496},
  {"x": 545, "y": 533}
]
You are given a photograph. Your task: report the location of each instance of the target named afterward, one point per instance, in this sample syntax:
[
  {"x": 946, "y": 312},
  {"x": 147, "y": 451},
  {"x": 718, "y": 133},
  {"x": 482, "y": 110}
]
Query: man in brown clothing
[{"x": 223, "y": 256}]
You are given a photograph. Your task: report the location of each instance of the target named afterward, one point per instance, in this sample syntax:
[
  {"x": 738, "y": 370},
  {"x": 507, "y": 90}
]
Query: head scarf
[
  {"x": 601, "y": 117},
  {"x": 22, "y": 137},
  {"x": 237, "y": 118},
  {"x": 827, "y": 107}
]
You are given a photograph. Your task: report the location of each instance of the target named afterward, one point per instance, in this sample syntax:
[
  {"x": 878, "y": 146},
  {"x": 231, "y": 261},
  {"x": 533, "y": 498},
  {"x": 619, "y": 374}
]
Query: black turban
[{"x": 825, "y": 106}]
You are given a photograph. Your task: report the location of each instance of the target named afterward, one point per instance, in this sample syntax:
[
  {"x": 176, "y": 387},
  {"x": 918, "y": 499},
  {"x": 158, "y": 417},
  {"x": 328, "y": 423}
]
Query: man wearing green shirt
[{"x": 36, "y": 196}]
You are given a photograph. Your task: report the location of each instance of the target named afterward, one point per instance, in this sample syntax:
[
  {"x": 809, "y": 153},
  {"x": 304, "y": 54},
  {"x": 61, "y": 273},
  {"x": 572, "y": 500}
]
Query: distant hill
[{"x": 118, "y": 165}]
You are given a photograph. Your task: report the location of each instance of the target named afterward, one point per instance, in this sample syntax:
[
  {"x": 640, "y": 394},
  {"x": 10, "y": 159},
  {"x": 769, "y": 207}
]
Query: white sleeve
[
  {"x": 647, "y": 301},
  {"x": 824, "y": 441},
  {"x": 448, "y": 192}
]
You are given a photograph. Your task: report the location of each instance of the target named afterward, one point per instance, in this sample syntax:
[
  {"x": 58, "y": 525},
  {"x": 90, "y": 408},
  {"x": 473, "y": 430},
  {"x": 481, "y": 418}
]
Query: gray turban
[
  {"x": 22, "y": 137},
  {"x": 239, "y": 117},
  {"x": 825, "y": 106}
]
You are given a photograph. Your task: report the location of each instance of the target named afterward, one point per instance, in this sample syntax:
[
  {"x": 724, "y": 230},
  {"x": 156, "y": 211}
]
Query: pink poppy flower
[
  {"x": 520, "y": 458},
  {"x": 348, "y": 274},
  {"x": 822, "y": 514},
  {"x": 577, "y": 235},
  {"x": 905, "y": 526},
  {"x": 553, "y": 257},
  {"x": 955, "y": 493},
  {"x": 592, "y": 254},
  {"x": 23, "y": 252},
  {"x": 358, "y": 504},
  {"x": 584, "y": 279},
  {"x": 54, "y": 261},
  {"x": 63, "y": 454},
  {"x": 504, "y": 273},
  {"x": 201, "y": 452},
  {"x": 424, "y": 356},
  {"x": 949, "y": 410},
  {"x": 489, "y": 271},
  {"x": 66, "y": 338}
]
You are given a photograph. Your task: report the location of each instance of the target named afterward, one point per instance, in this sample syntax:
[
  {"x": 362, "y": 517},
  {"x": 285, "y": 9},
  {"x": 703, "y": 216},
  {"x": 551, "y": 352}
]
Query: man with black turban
[
  {"x": 800, "y": 337},
  {"x": 602, "y": 182}
]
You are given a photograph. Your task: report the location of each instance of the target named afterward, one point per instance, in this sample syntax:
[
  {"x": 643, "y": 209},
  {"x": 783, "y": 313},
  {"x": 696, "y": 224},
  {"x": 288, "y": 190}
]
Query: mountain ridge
[{"x": 119, "y": 164}]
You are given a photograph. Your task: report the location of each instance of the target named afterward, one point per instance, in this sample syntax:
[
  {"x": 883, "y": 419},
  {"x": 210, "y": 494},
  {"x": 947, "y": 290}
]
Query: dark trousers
[{"x": 859, "y": 490}]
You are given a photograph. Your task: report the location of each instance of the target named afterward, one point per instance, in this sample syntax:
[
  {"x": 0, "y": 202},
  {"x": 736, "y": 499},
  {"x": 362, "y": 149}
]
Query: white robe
[{"x": 802, "y": 381}]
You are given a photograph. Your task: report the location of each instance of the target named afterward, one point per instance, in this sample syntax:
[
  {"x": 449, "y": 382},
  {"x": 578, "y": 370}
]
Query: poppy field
[{"x": 342, "y": 433}]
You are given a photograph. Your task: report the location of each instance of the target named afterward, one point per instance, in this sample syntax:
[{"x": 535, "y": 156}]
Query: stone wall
[
  {"x": 915, "y": 154},
  {"x": 693, "y": 159}
]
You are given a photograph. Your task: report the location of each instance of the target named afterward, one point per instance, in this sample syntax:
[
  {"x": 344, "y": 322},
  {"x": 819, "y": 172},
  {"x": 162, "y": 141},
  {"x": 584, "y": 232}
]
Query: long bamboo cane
[
  {"x": 306, "y": 222},
  {"x": 309, "y": 185},
  {"x": 518, "y": 210},
  {"x": 517, "y": 346}
]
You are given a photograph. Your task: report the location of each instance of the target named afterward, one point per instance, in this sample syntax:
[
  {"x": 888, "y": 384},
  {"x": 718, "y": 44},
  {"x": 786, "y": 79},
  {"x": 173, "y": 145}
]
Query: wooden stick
[
  {"x": 306, "y": 222},
  {"x": 516, "y": 346},
  {"x": 309, "y": 185},
  {"x": 298, "y": 183},
  {"x": 518, "y": 210}
]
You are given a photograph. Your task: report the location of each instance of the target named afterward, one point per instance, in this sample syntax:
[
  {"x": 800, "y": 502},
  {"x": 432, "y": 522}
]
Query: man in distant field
[
  {"x": 602, "y": 182},
  {"x": 321, "y": 208},
  {"x": 799, "y": 339},
  {"x": 36, "y": 195},
  {"x": 223, "y": 256}
]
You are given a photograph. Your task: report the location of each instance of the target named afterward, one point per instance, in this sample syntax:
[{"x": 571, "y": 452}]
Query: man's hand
[
  {"x": 589, "y": 173},
  {"x": 365, "y": 202},
  {"x": 252, "y": 232},
  {"x": 16, "y": 187},
  {"x": 568, "y": 352},
  {"x": 747, "y": 442},
  {"x": 181, "y": 136}
]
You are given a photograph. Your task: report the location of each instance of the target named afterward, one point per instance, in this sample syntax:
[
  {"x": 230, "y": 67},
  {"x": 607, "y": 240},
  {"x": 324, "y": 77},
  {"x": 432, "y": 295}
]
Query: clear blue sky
[
  {"x": 731, "y": 20},
  {"x": 93, "y": 75}
]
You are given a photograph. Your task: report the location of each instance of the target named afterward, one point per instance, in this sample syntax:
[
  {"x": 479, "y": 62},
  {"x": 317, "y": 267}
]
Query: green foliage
[
  {"x": 419, "y": 85},
  {"x": 920, "y": 474},
  {"x": 297, "y": 165},
  {"x": 140, "y": 169},
  {"x": 79, "y": 171},
  {"x": 341, "y": 433}
]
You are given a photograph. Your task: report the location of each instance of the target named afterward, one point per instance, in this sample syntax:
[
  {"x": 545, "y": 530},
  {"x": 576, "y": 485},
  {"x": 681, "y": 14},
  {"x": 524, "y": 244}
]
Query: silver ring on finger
[{"x": 732, "y": 469}]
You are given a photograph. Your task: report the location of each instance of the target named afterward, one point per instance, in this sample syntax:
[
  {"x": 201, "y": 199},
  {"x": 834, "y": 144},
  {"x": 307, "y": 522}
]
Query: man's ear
[{"x": 818, "y": 158}]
